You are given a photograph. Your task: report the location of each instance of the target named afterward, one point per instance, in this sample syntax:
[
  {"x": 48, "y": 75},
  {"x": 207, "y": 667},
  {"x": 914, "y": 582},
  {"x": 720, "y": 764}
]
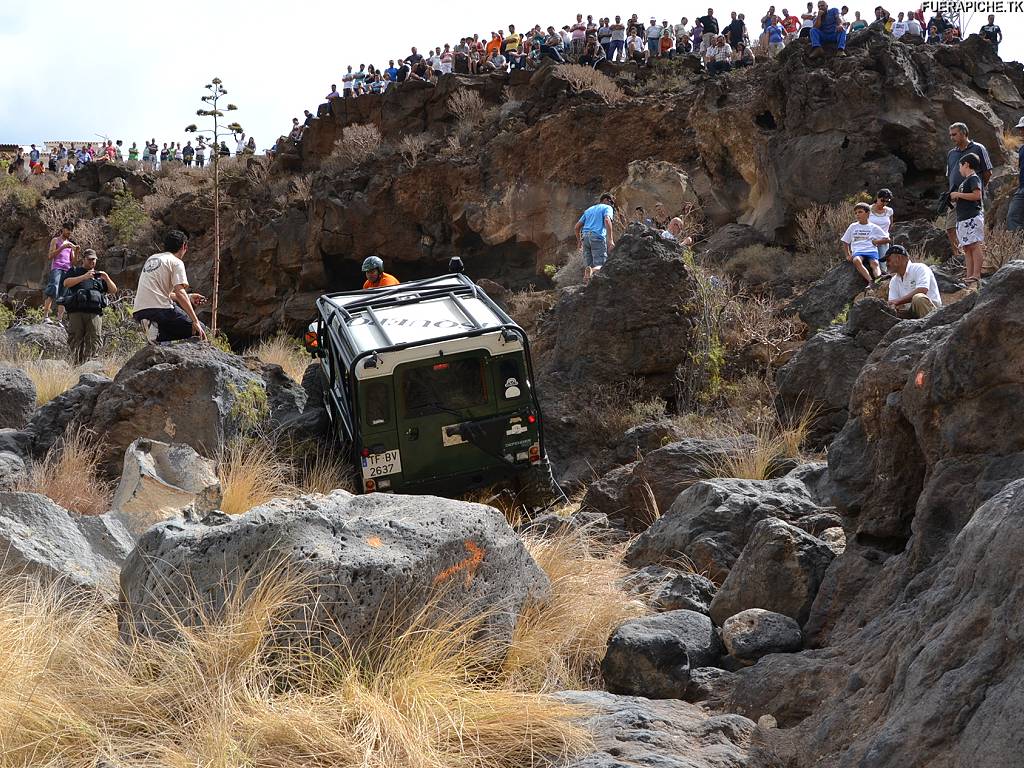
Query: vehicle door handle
[{"x": 413, "y": 433}]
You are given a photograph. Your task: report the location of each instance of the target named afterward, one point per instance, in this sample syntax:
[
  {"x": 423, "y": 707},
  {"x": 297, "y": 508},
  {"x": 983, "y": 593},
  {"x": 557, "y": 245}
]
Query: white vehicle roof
[{"x": 412, "y": 319}]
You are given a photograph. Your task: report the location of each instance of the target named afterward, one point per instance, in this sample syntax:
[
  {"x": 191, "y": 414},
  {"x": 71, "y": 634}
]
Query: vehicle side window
[{"x": 378, "y": 403}]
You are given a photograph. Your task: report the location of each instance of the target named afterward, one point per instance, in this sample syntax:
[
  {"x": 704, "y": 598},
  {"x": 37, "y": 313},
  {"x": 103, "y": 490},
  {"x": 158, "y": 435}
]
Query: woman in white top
[{"x": 882, "y": 215}]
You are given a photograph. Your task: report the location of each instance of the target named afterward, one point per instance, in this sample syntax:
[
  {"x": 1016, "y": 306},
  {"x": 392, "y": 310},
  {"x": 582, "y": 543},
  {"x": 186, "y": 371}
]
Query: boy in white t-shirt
[{"x": 861, "y": 241}]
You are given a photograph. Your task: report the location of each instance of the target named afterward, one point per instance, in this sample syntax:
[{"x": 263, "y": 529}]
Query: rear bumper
[{"x": 460, "y": 483}]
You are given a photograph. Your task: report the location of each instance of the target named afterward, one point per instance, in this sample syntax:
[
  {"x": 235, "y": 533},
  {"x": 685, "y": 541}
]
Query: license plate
[{"x": 381, "y": 464}]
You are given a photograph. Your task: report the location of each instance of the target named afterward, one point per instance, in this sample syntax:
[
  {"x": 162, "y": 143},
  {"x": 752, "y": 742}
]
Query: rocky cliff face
[
  {"x": 756, "y": 146},
  {"x": 919, "y": 662}
]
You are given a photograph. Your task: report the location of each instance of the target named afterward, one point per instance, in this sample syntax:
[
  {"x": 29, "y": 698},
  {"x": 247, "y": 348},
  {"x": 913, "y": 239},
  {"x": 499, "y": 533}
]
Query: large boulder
[
  {"x": 162, "y": 480},
  {"x": 710, "y": 522},
  {"x": 13, "y": 470},
  {"x": 638, "y": 493},
  {"x": 632, "y": 731},
  {"x": 819, "y": 378},
  {"x": 780, "y": 570},
  {"x": 45, "y": 541},
  {"x": 49, "y": 422},
  {"x": 187, "y": 393},
  {"x": 17, "y": 397},
  {"x": 369, "y": 563},
  {"x": 652, "y": 656},
  {"x": 753, "y": 633},
  {"x": 49, "y": 340},
  {"x": 729, "y": 239}
]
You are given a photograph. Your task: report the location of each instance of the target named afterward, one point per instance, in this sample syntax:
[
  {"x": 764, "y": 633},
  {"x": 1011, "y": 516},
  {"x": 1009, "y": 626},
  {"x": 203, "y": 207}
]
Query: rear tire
[{"x": 535, "y": 488}]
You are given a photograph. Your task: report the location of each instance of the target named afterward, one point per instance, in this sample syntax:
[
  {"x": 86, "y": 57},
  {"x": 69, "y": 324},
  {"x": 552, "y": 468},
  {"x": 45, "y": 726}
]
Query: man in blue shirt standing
[
  {"x": 827, "y": 28},
  {"x": 594, "y": 235}
]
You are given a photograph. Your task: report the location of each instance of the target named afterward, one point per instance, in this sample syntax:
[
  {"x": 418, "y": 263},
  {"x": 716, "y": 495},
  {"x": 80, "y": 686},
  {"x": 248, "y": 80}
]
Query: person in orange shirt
[
  {"x": 494, "y": 46},
  {"x": 376, "y": 277}
]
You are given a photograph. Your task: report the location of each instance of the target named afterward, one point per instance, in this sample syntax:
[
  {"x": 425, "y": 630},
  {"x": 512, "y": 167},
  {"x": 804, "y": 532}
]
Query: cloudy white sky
[{"x": 135, "y": 69}]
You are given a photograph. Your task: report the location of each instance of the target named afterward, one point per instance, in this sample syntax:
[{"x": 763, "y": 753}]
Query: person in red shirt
[
  {"x": 790, "y": 23},
  {"x": 376, "y": 277}
]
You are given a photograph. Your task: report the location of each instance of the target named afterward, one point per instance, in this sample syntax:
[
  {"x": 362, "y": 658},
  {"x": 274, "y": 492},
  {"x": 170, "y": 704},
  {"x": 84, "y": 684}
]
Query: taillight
[
  {"x": 312, "y": 341},
  {"x": 532, "y": 419},
  {"x": 365, "y": 452},
  {"x": 370, "y": 486}
]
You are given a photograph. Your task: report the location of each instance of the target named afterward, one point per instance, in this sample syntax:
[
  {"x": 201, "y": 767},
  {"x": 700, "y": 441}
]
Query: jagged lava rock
[
  {"x": 371, "y": 562},
  {"x": 50, "y": 340},
  {"x": 652, "y": 656},
  {"x": 45, "y": 541},
  {"x": 753, "y": 633},
  {"x": 17, "y": 397},
  {"x": 780, "y": 570},
  {"x": 631, "y": 731}
]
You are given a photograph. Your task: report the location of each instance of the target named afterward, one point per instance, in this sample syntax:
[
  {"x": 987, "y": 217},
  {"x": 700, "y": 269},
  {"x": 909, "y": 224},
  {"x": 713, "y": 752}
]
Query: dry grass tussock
[
  {"x": 411, "y": 147},
  {"x": 588, "y": 79},
  {"x": 357, "y": 143},
  {"x": 467, "y": 106},
  {"x": 227, "y": 696},
  {"x": 69, "y": 474},
  {"x": 1001, "y": 247},
  {"x": 284, "y": 351},
  {"x": 255, "y": 470},
  {"x": 559, "y": 644},
  {"x": 775, "y": 441},
  {"x": 819, "y": 228}
]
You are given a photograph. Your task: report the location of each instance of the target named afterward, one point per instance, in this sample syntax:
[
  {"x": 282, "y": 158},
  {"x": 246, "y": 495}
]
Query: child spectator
[
  {"x": 970, "y": 216},
  {"x": 882, "y": 215},
  {"x": 861, "y": 241}
]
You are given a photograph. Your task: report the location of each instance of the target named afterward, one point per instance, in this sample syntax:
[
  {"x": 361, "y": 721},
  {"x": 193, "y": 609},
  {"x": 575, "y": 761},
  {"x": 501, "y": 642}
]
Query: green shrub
[
  {"x": 251, "y": 407},
  {"x": 127, "y": 217}
]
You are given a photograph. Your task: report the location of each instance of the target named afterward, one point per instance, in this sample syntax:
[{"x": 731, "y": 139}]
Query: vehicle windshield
[{"x": 444, "y": 386}]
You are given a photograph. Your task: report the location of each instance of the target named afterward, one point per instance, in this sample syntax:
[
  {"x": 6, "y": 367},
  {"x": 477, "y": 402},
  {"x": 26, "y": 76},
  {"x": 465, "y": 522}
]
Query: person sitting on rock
[
  {"x": 827, "y": 28},
  {"x": 594, "y": 236},
  {"x": 861, "y": 241},
  {"x": 719, "y": 56},
  {"x": 913, "y": 289},
  {"x": 376, "y": 277},
  {"x": 162, "y": 284},
  {"x": 86, "y": 290}
]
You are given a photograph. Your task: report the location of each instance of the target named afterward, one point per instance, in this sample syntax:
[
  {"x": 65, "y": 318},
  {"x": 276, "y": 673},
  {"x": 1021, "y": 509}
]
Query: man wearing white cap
[{"x": 1015, "y": 216}]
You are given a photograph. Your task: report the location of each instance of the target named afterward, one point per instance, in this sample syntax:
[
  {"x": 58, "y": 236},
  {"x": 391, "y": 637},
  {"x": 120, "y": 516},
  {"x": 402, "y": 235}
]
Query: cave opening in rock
[{"x": 766, "y": 120}]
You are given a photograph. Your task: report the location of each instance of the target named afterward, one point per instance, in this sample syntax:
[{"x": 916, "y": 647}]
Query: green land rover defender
[{"x": 430, "y": 385}]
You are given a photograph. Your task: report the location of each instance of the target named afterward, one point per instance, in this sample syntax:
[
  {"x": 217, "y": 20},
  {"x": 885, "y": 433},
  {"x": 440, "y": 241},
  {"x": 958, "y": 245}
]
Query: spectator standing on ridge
[
  {"x": 858, "y": 23},
  {"x": 970, "y": 216},
  {"x": 827, "y": 28},
  {"x": 617, "y": 45},
  {"x": 654, "y": 38},
  {"x": 992, "y": 33},
  {"x": 913, "y": 25},
  {"x": 912, "y": 289},
  {"x": 776, "y": 35},
  {"x": 861, "y": 241},
  {"x": 61, "y": 253},
  {"x": 709, "y": 22},
  {"x": 334, "y": 93},
  {"x": 200, "y": 154},
  {"x": 86, "y": 289},
  {"x": 376, "y": 277},
  {"x": 807, "y": 21},
  {"x": 1015, "y": 216},
  {"x": 594, "y": 236},
  {"x": 791, "y": 24},
  {"x": 162, "y": 284},
  {"x": 962, "y": 145},
  {"x": 735, "y": 30},
  {"x": 188, "y": 153},
  {"x": 899, "y": 27}
]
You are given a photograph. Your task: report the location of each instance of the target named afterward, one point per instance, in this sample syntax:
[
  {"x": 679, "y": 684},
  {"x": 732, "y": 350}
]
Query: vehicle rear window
[
  {"x": 450, "y": 385},
  {"x": 378, "y": 403}
]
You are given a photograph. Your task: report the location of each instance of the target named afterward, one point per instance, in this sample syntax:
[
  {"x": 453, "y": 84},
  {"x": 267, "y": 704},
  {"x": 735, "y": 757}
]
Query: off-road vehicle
[{"x": 430, "y": 385}]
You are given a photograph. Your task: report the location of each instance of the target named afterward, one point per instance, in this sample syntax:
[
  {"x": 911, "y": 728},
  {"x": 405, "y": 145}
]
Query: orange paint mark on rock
[
  {"x": 469, "y": 565},
  {"x": 375, "y": 542},
  {"x": 919, "y": 379}
]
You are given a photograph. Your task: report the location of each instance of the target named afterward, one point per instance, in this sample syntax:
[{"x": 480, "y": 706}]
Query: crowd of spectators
[
  {"x": 720, "y": 44},
  {"x": 66, "y": 160}
]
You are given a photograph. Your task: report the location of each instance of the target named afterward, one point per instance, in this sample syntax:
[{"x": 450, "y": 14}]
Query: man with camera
[{"x": 86, "y": 290}]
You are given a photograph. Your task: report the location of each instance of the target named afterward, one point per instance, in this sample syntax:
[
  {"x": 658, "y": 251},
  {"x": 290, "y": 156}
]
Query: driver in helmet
[{"x": 376, "y": 277}]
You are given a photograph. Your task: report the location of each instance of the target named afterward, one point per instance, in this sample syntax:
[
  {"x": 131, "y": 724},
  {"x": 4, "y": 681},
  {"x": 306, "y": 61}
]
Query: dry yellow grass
[
  {"x": 284, "y": 351},
  {"x": 50, "y": 377},
  {"x": 251, "y": 474},
  {"x": 69, "y": 474},
  {"x": 559, "y": 643},
  {"x": 225, "y": 696},
  {"x": 774, "y": 442}
]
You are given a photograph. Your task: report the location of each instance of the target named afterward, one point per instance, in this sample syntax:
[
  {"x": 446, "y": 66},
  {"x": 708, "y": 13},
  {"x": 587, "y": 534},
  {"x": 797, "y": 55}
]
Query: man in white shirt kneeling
[
  {"x": 163, "y": 284},
  {"x": 912, "y": 289}
]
